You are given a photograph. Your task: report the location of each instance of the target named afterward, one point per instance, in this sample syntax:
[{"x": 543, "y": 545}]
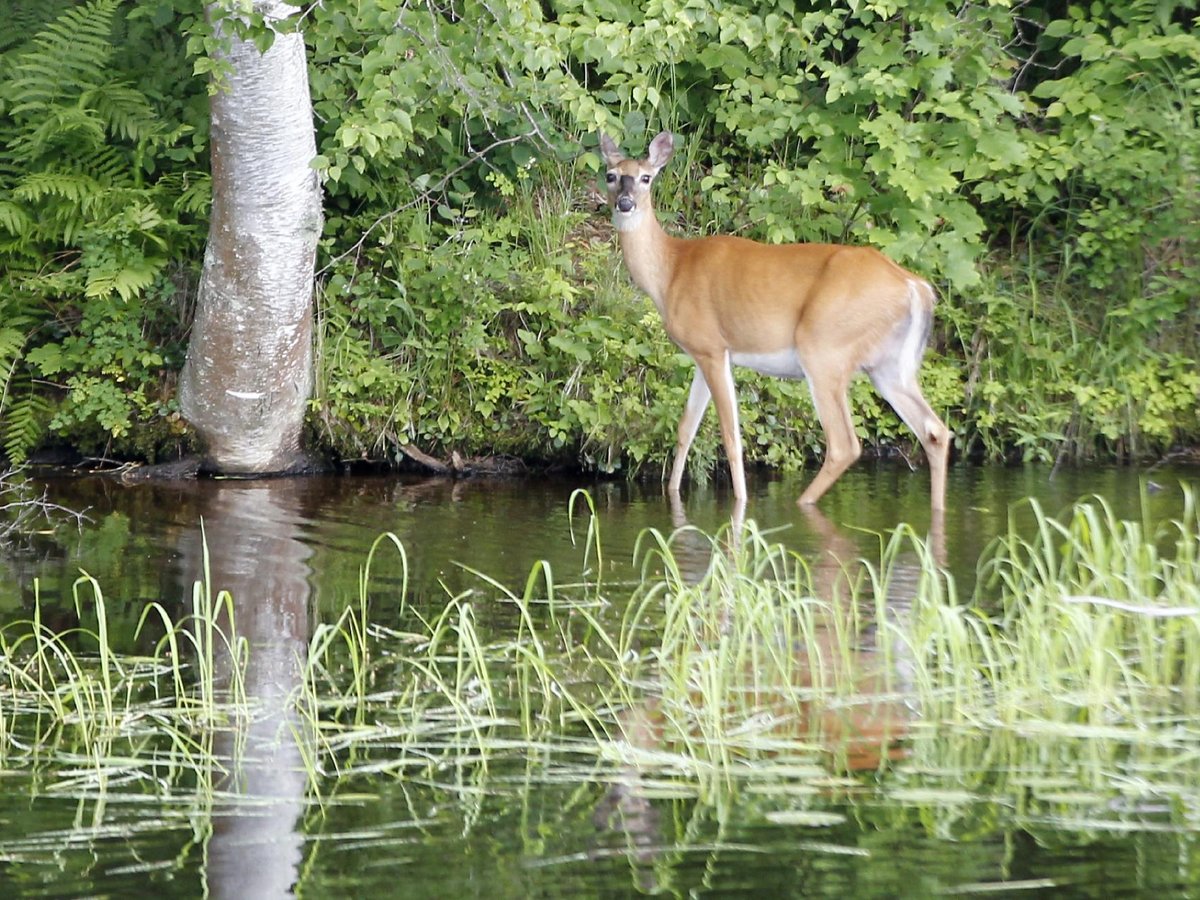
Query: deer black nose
[{"x": 625, "y": 204}]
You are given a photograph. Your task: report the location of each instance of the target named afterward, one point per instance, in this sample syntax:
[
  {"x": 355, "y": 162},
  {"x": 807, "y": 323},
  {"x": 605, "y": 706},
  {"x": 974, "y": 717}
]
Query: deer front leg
[
  {"x": 697, "y": 402},
  {"x": 718, "y": 372}
]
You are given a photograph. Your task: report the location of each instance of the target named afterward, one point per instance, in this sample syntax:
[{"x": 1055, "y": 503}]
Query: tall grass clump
[
  {"x": 733, "y": 659},
  {"x": 68, "y": 697},
  {"x": 1095, "y": 612},
  {"x": 1083, "y": 642}
]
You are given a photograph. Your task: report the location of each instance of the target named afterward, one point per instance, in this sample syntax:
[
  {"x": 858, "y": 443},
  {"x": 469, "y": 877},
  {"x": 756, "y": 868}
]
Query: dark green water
[
  {"x": 290, "y": 552},
  {"x": 142, "y": 542}
]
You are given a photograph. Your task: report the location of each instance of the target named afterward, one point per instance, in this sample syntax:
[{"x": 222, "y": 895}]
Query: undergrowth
[{"x": 469, "y": 300}]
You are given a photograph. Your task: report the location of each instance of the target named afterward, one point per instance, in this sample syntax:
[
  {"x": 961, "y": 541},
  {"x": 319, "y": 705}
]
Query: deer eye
[
  {"x": 611, "y": 177},
  {"x": 645, "y": 179}
]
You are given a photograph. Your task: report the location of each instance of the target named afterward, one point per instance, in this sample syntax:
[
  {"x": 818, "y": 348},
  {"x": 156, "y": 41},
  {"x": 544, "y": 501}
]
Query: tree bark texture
[{"x": 248, "y": 375}]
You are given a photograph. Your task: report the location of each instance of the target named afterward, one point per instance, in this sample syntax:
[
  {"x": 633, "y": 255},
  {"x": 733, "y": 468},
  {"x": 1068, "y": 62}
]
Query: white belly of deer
[{"x": 780, "y": 364}]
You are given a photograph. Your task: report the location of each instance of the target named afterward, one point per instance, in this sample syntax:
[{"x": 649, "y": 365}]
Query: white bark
[
  {"x": 248, "y": 375},
  {"x": 251, "y": 545}
]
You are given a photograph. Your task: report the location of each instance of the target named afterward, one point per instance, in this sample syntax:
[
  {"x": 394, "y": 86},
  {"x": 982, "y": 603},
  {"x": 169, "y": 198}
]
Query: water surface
[
  {"x": 139, "y": 541},
  {"x": 290, "y": 552}
]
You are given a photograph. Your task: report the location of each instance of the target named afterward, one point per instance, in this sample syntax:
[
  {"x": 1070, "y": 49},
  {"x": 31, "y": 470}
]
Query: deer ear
[
  {"x": 661, "y": 149},
  {"x": 612, "y": 154}
]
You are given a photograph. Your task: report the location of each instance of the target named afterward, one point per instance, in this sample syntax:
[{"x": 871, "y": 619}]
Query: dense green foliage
[
  {"x": 102, "y": 196},
  {"x": 1036, "y": 160}
]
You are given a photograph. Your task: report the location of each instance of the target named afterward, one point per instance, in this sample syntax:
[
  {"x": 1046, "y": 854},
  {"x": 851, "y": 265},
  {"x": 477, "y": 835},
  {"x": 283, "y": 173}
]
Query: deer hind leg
[
  {"x": 912, "y": 407},
  {"x": 842, "y": 447},
  {"x": 895, "y": 377},
  {"x": 697, "y": 402}
]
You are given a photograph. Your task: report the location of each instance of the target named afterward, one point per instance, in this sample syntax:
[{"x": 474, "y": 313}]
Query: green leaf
[
  {"x": 48, "y": 359},
  {"x": 1060, "y": 28},
  {"x": 1003, "y": 147}
]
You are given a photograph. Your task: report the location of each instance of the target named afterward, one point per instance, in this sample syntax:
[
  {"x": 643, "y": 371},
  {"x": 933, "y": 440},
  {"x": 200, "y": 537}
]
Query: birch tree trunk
[{"x": 248, "y": 374}]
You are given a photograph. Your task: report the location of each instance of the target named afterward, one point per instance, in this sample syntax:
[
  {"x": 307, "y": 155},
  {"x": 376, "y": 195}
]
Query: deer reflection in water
[{"x": 858, "y": 727}]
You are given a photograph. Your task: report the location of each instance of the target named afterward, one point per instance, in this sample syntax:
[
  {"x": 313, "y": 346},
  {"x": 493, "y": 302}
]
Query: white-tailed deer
[{"x": 816, "y": 311}]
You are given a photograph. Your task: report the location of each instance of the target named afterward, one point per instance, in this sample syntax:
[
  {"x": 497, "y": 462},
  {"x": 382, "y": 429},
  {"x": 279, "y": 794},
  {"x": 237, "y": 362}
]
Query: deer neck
[{"x": 649, "y": 255}]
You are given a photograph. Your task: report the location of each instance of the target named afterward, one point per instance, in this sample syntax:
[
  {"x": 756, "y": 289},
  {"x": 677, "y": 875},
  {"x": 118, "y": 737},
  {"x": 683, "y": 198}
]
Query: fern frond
[
  {"x": 72, "y": 50},
  {"x": 12, "y": 342},
  {"x": 58, "y": 128},
  {"x": 24, "y": 425},
  {"x": 74, "y": 186},
  {"x": 70, "y": 203},
  {"x": 18, "y": 314},
  {"x": 126, "y": 111},
  {"x": 127, "y": 280},
  {"x": 20, "y": 20},
  {"x": 14, "y": 334},
  {"x": 89, "y": 23},
  {"x": 192, "y": 192},
  {"x": 144, "y": 220},
  {"x": 36, "y": 83},
  {"x": 81, "y": 39},
  {"x": 63, "y": 279},
  {"x": 13, "y": 219},
  {"x": 108, "y": 165}
]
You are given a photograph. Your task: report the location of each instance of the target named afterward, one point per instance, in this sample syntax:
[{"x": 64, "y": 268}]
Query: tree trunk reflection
[{"x": 252, "y": 532}]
